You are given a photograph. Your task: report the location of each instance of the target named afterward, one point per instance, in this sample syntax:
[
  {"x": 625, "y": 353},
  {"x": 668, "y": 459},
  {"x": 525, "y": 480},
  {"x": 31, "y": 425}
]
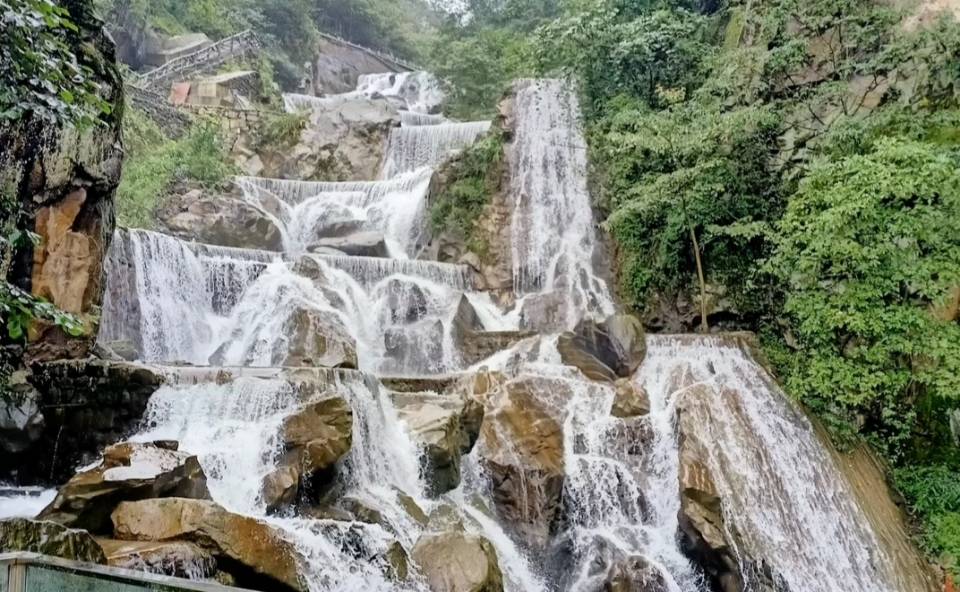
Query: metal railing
[
  {"x": 382, "y": 56},
  {"x": 30, "y": 572},
  {"x": 219, "y": 53}
]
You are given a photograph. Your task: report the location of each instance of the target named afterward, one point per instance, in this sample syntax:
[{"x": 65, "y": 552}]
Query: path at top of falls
[{"x": 183, "y": 302}]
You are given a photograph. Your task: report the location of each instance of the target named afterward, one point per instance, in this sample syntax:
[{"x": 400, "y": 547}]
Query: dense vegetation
[{"x": 806, "y": 153}]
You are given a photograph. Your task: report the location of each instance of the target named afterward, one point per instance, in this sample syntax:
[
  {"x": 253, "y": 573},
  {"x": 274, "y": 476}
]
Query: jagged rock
[
  {"x": 458, "y": 562},
  {"x": 242, "y": 539},
  {"x": 177, "y": 559},
  {"x": 521, "y": 447},
  {"x": 702, "y": 530},
  {"x": 314, "y": 439},
  {"x": 280, "y": 487},
  {"x": 406, "y": 301},
  {"x": 21, "y": 421},
  {"x": 630, "y": 400},
  {"x": 129, "y": 471},
  {"x": 318, "y": 338},
  {"x": 544, "y": 312},
  {"x": 357, "y": 244},
  {"x": 117, "y": 351},
  {"x": 344, "y": 141},
  {"x": 223, "y": 220},
  {"x": 49, "y": 538},
  {"x": 446, "y": 427},
  {"x": 635, "y": 574},
  {"x": 604, "y": 351}
]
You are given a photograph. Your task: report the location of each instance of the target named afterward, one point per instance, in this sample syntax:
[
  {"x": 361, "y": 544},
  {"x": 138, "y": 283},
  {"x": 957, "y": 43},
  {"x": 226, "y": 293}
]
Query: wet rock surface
[
  {"x": 128, "y": 472},
  {"x": 220, "y": 219},
  {"x": 49, "y": 538},
  {"x": 457, "y": 562}
]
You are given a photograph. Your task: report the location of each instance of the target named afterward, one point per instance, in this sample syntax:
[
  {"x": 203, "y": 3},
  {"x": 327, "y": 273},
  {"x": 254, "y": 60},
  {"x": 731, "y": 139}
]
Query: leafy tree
[{"x": 868, "y": 246}]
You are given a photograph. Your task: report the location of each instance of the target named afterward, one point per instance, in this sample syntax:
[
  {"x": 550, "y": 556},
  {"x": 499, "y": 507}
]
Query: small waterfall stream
[{"x": 210, "y": 306}]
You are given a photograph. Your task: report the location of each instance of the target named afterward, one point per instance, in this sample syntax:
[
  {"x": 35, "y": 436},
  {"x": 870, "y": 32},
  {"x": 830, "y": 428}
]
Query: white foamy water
[
  {"x": 781, "y": 488},
  {"x": 416, "y": 92},
  {"x": 24, "y": 502},
  {"x": 554, "y": 240},
  {"x": 413, "y": 147}
]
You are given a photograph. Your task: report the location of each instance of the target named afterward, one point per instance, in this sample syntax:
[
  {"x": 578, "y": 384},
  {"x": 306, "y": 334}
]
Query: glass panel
[
  {"x": 3, "y": 577},
  {"x": 40, "y": 579}
]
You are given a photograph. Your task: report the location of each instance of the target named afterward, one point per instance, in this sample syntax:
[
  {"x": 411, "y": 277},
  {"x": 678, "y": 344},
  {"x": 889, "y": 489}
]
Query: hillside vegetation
[{"x": 807, "y": 155}]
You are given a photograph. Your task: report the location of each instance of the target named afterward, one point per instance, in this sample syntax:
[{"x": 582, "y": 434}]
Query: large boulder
[
  {"x": 178, "y": 559},
  {"x": 128, "y": 471},
  {"x": 521, "y": 447},
  {"x": 241, "y": 539},
  {"x": 344, "y": 141},
  {"x": 635, "y": 574},
  {"x": 224, "y": 220},
  {"x": 318, "y": 338},
  {"x": 314, "y": 439},
  {"x": 604, "y": 351},
  {"x": 49, "y": 538},
  {"x": 458, "y": 562},
  {"x": 629, "y": 400},
  {"x": 365, "y": 243},
  {"x": 446, "y": 427}
]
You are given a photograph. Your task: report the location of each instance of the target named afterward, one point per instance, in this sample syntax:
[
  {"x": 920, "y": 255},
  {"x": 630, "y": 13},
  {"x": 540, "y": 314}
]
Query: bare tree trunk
[{"x": 704, "y": 326}]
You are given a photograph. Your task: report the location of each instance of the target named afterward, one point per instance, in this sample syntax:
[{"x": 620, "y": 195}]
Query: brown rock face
[
  {"x": 241, "y": 539},
  {"x": 630, "y": 400},
  {"x": 446, "y": 427},
  {"x": 635, "y": 574},
  {"x": 318, "y": 339},
  {"x": 702, "y": 529},
  {"x": 63, "y": 180},
  {"x": 458, "y": 562},
  {"x": 314, "y": 439},
  {"x": 129, "y": 471},
  {"x": 224, "y": 220},
  {"x": 521, "y": 445},
  {"x": 49, "y": 538}
]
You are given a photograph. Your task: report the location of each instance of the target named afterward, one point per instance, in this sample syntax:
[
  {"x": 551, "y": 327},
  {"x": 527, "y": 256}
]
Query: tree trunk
[{"x": 704, "y": 326}]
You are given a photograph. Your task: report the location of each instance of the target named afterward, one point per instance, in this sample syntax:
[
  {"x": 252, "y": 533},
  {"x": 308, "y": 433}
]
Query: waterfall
[
  {"x": 308, "y": 211},
  {"x": 411, "y": 118},
  {"x": 413, "y": 147},
  {"x": 782, "y": 491},
  {"x": 416, "y": 92},
  {"x": 554, "y": 240}
]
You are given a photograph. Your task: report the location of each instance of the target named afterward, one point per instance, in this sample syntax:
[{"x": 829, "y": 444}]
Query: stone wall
[{"x": 75, "y": 409}]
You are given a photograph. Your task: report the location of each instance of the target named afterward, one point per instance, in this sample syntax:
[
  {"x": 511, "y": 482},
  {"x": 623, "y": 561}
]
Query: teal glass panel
[
  {"x": 3, "y": 577},
  {"x": 40, "y": 579}
]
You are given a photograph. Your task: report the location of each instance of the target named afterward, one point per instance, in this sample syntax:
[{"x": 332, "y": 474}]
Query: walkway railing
[
  {"x": 387, "y": 58},
  {"x": 30, "y": 572},
  {"x": 219, "y": 53}
]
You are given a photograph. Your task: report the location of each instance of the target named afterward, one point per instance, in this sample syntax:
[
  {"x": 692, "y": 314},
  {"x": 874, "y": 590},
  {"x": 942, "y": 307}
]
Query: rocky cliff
[{"x": 62, "y": 179}]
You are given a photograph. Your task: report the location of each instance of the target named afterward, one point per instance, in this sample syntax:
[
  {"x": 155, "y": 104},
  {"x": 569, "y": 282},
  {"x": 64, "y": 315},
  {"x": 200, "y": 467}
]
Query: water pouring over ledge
[{"x": 621, "y": 477}]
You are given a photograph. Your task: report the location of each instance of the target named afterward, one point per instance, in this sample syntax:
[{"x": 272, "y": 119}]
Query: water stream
[{"x": 177, "y": 301}]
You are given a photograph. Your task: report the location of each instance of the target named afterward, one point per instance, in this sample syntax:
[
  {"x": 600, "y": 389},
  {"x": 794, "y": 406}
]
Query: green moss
[
  {"x": 474, "y": 178},
  {"x": 282, "y": 130}
]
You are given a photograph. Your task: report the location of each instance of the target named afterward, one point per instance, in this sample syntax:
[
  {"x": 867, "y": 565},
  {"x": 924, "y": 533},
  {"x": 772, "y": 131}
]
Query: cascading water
[
  {"x": 413, "y": 147},
  {"x": 416, "y": 92},
  {"x": 553, "y": 236},
  {"x": 620, "y": 490},
  {"x": 307, "y": 211},
  {"x": 783, "y": 493}
]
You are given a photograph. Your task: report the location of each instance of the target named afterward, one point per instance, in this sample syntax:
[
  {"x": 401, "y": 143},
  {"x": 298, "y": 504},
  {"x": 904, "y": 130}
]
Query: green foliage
[
  {"x": 613, "y": 52},
  {"x": 474, "y": 177},
  {"x": 478, "y": 66},
  {"x": 282, "y": 130},
  {"x": 868, "y": 244},
  {"x": 691, "y": 166},
  {"x": 40, "y": 71},
  {"x": 154, "y": 163},
  {"x": 934, "y": 494}
]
